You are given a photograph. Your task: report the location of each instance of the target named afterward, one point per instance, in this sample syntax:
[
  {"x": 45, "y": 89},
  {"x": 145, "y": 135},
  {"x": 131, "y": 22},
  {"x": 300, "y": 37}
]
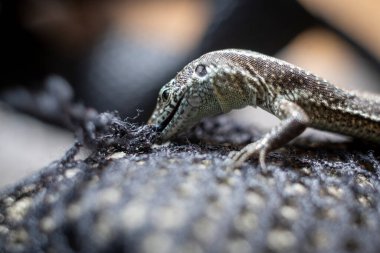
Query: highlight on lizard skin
[{"x": 220, "y": 81}]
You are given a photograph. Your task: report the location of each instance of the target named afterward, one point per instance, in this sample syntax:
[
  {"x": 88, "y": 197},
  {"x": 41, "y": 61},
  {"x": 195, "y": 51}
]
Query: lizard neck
[
  {"x": 235, "y": 91},
  {"x": 229, "y": 99}
]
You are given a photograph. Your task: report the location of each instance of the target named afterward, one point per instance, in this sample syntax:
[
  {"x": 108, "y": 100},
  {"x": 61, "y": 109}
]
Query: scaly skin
[{"x": 220, "y": 81}]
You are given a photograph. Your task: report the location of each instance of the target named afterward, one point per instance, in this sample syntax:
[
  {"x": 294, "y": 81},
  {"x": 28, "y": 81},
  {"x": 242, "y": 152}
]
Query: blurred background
[{"x": 116, "y": 54}]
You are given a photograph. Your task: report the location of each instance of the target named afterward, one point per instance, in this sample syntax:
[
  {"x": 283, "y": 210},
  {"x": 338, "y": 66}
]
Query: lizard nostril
[{"x": 157, "y": 128}]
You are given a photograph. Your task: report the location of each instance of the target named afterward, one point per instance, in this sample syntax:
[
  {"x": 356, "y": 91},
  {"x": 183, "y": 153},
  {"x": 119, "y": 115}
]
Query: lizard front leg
[{"x": 294, "y": 121}]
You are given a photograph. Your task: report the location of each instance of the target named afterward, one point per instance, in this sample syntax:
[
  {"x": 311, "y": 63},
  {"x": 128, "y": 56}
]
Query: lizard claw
[
  {"x": 237, "y": 158},
  {"x": 262, "y": 155},
  {"x": 234, "y": 160},
  {"x": 231, "y": 155}
]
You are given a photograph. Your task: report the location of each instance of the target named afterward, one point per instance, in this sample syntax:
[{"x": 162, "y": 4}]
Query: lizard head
[{"x": 202, "y": 88}]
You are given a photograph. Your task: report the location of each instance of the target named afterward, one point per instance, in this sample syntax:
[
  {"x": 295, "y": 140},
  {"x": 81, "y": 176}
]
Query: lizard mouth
[{"x": 166, "y": 122}]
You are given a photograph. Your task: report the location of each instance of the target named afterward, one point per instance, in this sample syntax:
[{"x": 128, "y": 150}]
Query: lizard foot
[{"x": 236, "y": 159}]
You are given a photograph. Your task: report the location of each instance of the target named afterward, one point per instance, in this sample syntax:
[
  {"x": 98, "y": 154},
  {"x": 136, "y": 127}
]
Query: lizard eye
[
  {"x": 201, "y": 70},
  {"x": 165, "y": 94}
]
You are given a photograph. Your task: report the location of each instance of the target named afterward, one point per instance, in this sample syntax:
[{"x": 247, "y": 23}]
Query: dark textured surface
[{"x": 317, "y": 197}]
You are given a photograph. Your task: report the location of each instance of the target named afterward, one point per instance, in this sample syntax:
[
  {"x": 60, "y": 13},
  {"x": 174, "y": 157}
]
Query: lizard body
[{"x": 220, "y": 81}]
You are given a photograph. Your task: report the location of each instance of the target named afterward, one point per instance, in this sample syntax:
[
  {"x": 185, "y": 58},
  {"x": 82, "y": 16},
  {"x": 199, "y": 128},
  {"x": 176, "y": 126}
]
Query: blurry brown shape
[
  {"x": 71, "y": 26},
  {"x": 359, "y": 19},
  {"x": 66, "y": 25},
  {"x": 178, "y": 25}
]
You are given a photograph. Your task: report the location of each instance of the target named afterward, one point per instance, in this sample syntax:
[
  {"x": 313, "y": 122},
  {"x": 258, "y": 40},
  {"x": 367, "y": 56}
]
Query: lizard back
[{"x": 328, "y": 107}]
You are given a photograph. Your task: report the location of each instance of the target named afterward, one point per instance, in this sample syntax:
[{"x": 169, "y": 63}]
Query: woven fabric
[{"x": 315, "y": 197}]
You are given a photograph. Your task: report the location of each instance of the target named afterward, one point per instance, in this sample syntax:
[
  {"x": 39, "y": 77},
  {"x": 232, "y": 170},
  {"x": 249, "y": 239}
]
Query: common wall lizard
[{"x": 220, "y": 81}]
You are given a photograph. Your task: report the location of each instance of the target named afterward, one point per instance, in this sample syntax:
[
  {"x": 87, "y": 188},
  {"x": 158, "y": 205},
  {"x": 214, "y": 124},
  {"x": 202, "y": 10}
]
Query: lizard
[{"x": 222, "y": 80}]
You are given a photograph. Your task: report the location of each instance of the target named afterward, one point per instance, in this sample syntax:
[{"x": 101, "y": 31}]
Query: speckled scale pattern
[
  {"x": 329, "y": 107},
  {"x": 240, "y": 78}
]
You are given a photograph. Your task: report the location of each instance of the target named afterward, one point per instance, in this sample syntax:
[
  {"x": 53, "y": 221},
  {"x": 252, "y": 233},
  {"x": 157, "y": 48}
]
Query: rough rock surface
[{"x": 315, "y": 197}]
